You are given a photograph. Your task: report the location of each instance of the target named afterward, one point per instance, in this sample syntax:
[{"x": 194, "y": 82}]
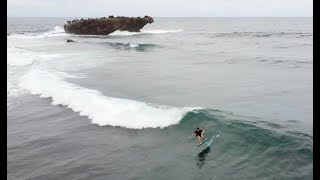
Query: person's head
[{"x": 197, "y": 129}]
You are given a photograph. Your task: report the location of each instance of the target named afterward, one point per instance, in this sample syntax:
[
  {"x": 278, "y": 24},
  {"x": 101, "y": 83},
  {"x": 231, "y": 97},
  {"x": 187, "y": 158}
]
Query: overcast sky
[{"x": 160, "y": 8}]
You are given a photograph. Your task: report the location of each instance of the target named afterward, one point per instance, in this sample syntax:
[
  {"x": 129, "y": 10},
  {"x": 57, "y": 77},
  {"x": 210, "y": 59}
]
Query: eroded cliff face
[{"x": 105, "y": 26}]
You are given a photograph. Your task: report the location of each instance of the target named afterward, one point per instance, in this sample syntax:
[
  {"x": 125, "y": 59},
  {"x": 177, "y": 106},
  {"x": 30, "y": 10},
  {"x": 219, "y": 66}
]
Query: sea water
[{"x": 123, "y": 106}]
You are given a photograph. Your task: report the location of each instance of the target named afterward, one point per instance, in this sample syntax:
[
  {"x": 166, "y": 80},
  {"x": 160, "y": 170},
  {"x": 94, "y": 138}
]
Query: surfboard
[{"x": 203, "y": 142}]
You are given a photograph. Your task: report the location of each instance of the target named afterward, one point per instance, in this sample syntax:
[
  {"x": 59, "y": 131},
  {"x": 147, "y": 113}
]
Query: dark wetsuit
[{"x": 198, "y": 133}]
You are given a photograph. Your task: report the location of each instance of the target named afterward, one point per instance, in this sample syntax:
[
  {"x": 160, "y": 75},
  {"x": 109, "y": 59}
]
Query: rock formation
[
  {"x": 105, "y": 26},
  {"x": 70, "y": 40}
]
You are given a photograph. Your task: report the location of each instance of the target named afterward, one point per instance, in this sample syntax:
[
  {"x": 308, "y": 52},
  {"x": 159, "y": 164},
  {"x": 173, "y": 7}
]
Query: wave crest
[
  {"x": 134, "y": 46},
  {"x": 126, "y": 33},
  {"x": 57, "y": 31},
  {"x": 102, "y": 110}
]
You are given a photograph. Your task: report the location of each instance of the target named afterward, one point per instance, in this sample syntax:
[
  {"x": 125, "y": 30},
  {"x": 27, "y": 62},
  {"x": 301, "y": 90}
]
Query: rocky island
[{"x": 105, "y": 26}]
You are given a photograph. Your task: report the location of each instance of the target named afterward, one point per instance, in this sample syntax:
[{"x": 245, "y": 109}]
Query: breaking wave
[
  {"x": 134, "y": 46},
  {"x": 102, "y": 110},
  {"x": 57, "y": 31},
  {"x": 126, "y": 33}
]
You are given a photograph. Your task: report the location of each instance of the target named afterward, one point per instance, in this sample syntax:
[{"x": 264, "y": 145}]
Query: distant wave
[
  {"x": 261, "y": 34},
  {"x": 126, "y": 33},
  {"x": 33, "y": 31},
  {"x": 288, "y": 61},
  {"x": 160, "y": 31},
  {"x": 293, "y": 45},
  {"x": 135, "y": 46},
  {"x": 102, "y": 110},
  {"x": 57, "y": 31}
]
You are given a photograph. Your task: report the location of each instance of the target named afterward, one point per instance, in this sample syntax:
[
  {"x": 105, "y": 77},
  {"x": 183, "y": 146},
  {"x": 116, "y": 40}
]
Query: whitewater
[{"x": 101, "y": 109}]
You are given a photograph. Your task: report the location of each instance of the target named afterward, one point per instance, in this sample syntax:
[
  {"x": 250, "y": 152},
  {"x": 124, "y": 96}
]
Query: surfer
[{"x": 200, "y": 134}]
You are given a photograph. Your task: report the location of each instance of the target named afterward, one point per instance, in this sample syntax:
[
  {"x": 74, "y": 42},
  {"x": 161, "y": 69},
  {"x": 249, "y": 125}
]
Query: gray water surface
[{"x": 257, "y": 72}]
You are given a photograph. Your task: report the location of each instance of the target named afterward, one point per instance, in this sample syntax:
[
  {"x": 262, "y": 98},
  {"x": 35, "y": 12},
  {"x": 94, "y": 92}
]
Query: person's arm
[{"x": 192, "y": 135}]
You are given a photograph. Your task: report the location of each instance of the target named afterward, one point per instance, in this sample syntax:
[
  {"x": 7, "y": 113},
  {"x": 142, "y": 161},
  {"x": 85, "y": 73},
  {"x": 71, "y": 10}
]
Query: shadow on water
[{"x": 202, "y": 157}]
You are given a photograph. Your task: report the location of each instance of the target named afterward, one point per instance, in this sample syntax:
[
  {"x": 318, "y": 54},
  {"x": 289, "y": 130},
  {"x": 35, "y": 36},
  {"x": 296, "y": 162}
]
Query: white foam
[
  {"x": 13, "y": 89},
  {"x": 126, "y": 33},
  {"x": 22, "y": 57},
  {"x": 133, "y": 45},
  {"x": 160, "y": 31},
  {"x": 19, "y": 60},
  {"x": 58, "y": 31},
  {"x": 123, "y": 33},
  {"x": 19, "y": 57},
  {"x": 71, "y": 76},
  {"x": 12, "y": 82},
  {"x": 102, "y": 110}
]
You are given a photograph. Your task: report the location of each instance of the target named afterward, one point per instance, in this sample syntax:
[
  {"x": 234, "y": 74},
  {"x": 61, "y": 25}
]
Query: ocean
[{"x": 124, "y": 106}]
